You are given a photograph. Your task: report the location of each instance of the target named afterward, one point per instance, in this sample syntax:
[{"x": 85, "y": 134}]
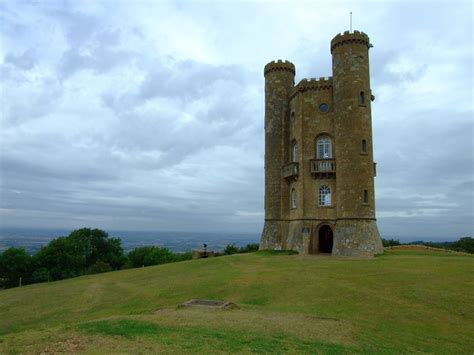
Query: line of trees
[
  {"x": 465, "y": 244},
  {"x": 233, "y": 249},
  {"x": 84, "y": 251}
]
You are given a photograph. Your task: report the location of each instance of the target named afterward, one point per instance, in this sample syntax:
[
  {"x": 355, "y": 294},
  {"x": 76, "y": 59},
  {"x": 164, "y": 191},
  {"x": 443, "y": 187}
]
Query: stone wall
[{"x": 357, "y": 238}]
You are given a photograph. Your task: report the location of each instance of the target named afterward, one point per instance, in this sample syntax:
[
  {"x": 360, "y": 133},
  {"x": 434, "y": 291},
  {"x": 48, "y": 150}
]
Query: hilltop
[{"x": 402, "y": 301}]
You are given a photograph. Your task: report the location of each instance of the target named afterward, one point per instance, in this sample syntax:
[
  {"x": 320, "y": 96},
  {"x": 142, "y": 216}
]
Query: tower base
[
  {"x": 357, "y": 238},
  {"x": 271, "y": 238},
  {"x": 352, "y": 237}
]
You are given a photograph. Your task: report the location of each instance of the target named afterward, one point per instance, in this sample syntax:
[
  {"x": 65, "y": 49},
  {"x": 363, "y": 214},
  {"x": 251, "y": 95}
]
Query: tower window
[
  {"x": 293, "y": 198},
  {"x": 294, "y": 153},
  {"x": 292, "y": 117},
  {"x": 325, "y": 196},
  {"x": 361, "y": 98},
  {"x": 323, "y": 108},
  {"x": 364, "y": 146},
  {"x": 324, "y": 148},
  {"x": 366, "y": 196}
]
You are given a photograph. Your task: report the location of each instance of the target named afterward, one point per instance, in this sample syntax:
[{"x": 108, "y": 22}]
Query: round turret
[
  {"x": 279, "y": 65},
  {"x": 347, "y": 37},
  {"x": 279, "y": 82},
  {"x": 353, "y": 134}
]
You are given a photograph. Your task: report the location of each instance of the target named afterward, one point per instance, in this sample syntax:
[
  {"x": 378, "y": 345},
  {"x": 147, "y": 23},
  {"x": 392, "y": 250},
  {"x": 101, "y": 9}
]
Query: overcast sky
[{"x": 148, "y": 115}]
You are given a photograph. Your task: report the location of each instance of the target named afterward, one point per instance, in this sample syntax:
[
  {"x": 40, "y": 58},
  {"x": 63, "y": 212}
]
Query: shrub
[
  {"x": 99, "y": 267},
  {"x": 15, "y": 263},
  {"x": 250, "y": 248},
  {"x": 183, "y": 256},
  {"x": 390, "y": 242},
  {"x": 40, "y": 275},
  {"x": 231, "y": 249},
  {"x": 277, "y": 252},
  {"x": 465, "y": 244},
  {"x": 147, "y": 256}
]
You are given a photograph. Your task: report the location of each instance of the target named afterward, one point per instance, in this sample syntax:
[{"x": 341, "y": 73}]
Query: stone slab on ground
[{"x": 215, "y": 304}]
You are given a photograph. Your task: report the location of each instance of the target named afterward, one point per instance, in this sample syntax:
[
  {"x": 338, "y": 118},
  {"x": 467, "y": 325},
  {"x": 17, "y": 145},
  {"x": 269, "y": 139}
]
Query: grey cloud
[
  {"x": 24, "y": 99},
  {"x": 99, "y": 59},
  {"x": 23, "y": 61},
  {"x": 188, "y": 79},
  {"x": 106, "y": 123}
]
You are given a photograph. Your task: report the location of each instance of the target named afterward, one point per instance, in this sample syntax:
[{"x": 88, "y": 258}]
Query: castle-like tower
[{"x": 319, "y": 168}]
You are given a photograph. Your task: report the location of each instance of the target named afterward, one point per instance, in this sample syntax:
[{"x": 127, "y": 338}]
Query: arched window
[
  {"x": 361, "y": 98},
  {"x": 325, "y": 196},
  {"x": 364, "y": 146},
  {"x": 324, "y": 148},
  {"x": 294, "y": 152},
  {"x": 293, "y": 198}
]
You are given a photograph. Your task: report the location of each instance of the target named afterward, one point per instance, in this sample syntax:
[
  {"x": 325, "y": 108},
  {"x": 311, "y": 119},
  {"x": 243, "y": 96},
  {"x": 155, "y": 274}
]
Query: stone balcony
[
  {"x": 290, "y": 171},
  {"x": 323, "y": 168}
]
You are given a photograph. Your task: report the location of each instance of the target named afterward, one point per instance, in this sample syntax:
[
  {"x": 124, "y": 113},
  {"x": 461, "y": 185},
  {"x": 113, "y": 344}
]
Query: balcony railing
[
  {"x": 323, "y": 168},
  {"x": 290, "y": 171}
]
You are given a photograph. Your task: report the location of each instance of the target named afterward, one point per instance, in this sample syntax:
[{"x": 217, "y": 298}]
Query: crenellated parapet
[
  {"x": 279, "y": 65},
  {"x": 313, "y": 84},
  {"x": 347, "y": 37}
]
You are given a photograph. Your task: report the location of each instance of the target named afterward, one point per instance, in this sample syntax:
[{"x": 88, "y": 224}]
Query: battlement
[
  {"x": 279, "y": 65},
  {"x": 322, "y": 83},
  {"x": 350, "y": 38}
]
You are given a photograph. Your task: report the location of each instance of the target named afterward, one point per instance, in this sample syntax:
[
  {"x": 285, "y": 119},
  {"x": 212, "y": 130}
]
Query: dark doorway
[{"x": 325, "y": 239}]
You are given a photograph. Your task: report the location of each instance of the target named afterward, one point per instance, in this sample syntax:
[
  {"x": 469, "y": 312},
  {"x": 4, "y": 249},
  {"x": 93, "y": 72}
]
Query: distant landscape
[{"x": 32, "y": 239}]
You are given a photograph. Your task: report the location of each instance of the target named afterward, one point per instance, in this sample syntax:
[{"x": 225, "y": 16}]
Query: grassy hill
[{"x": 402, "y": 301}]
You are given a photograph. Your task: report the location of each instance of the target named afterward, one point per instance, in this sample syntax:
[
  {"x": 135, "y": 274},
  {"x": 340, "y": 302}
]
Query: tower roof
[
  {"x": 350, "y": 38},
  {"x": 279, "y": 65}
]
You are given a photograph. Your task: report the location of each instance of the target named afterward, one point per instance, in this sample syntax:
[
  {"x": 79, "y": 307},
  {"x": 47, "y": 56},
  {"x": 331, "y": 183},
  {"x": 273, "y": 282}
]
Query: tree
[
  {"x": 40, "y": 275},
  {"x": 114, "y": 255},
  {"x": 73, "y": 255},
  {"x": 92, "y": 244},
  {"x": 95, "y": 245},
  {"x": 231, "y": 249},
  {"x": 100, "y": 267},
  {"x": 61, "y": 258},
  {"x": 390, "y": 242},
  {"x": 146, "y": 256},
  {"x": 465, "y": 244},
  {"x": 249, "y": 248},
  {"x": 15, "y": 263}
]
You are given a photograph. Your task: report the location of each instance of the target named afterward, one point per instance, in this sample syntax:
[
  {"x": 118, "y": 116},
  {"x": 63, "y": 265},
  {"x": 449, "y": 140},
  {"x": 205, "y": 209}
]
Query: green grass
[
  {"x": 402, "y": 301},
  {"x": 199, "y": 337},
  {"x": 276, "y": 252}
]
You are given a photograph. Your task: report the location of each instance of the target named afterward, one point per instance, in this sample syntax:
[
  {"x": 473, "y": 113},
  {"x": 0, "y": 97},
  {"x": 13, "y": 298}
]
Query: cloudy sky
[{"x": 148, "y": 115}]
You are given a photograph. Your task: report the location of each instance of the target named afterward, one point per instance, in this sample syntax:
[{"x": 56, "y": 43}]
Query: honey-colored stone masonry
[{"x": 332, "y": 114}]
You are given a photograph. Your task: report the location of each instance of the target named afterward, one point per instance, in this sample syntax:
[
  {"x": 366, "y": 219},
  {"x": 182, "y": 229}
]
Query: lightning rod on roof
[{"x": 351, "y": 21}]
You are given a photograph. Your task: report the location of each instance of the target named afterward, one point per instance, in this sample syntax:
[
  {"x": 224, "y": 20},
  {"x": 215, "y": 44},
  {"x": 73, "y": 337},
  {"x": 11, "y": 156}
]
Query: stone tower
[{"x": 319, "y": 169}]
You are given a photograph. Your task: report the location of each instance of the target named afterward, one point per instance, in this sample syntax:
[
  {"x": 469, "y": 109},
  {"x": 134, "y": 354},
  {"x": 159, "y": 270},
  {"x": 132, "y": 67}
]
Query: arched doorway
[{"x": 325, "y": 239}]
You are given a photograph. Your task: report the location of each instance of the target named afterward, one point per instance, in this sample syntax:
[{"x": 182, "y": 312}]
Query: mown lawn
[{"x": 402, "y": 301}]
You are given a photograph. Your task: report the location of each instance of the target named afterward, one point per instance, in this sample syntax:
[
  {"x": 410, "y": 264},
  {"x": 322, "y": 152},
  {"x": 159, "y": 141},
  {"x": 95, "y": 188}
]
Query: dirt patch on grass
[{"x": 71, "y": 344}]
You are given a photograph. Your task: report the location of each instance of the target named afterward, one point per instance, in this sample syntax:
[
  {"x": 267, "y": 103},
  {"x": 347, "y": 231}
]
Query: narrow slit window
[
  {"x": 293, "y": 198},
  {"x": 366, "y": 196},
  {"x": 364, "y": 146},
  {"x": 294, "y": 156},
  {"x": 361, "y": 98}
]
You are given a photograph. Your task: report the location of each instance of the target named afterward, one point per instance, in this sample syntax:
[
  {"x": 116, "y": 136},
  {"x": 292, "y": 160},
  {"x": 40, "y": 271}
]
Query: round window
[{"x": 323, "y": 108}]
